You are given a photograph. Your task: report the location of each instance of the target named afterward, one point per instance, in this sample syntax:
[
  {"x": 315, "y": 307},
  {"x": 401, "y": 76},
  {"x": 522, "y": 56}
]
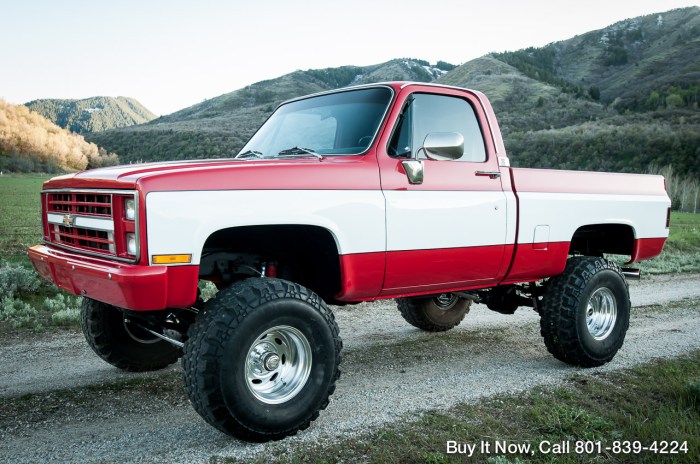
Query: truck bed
[{"x": 554, "y": 206}]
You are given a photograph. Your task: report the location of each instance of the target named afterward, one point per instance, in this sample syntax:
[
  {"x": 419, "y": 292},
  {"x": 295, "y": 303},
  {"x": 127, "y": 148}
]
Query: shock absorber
[
  {"x": 269, "y": 270},
  {"x": 272, "y": 270}
]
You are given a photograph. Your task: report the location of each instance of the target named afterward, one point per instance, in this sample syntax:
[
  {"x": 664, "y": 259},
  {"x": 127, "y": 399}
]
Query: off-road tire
[
  {"x": 432, "y": 315},
  {"x": 106, "y": 332},
  {"x": 567, "y": 305},
  {"x": 220, "y": 347}
]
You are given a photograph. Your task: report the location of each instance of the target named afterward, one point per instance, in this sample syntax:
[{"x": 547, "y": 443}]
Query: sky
[{"x": 172, "y": 54}]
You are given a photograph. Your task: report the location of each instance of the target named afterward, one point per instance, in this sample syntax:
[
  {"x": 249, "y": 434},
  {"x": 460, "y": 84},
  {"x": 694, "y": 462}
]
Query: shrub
[
  {"x": 68, "y": 316},
  {"x": 65, "y": 310},
  {"x": 18, "y": 281},
  {"x": 19, "y": 313},
  {"x": 207, "y": 290}
]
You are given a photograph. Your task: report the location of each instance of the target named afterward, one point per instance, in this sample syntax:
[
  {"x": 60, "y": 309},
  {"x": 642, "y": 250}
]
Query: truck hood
[
  {"x": 129, "y": 174},
  {"x": 224, "y": 174}
]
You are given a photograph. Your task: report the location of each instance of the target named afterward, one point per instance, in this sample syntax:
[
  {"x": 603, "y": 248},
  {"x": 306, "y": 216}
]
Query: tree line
[
  {"x": 684, "y": 191},
  {"x": 29, "y": 142}
]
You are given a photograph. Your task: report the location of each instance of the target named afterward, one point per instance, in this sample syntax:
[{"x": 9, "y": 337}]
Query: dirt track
[{"x": 390, "y": 370}]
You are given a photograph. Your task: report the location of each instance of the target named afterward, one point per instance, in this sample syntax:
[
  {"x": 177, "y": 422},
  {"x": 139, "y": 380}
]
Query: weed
[
  {"x": 692, "y": 396},
  {"x": 207, "y": 290}
]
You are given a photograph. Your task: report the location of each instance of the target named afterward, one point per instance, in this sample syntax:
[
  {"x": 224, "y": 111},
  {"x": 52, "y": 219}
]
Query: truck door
[{"x": 447, "y": 231}]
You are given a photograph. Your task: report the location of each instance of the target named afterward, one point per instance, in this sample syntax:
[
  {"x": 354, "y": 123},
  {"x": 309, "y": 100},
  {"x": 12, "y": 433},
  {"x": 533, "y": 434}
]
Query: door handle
[{"x": 491, "y": 174}]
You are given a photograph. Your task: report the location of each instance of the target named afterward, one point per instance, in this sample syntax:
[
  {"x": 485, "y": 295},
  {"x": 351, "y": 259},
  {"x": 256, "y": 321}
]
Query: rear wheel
[
  {"x": 120, "y": 342},
  {"x": 435, "y": 313},
  {"x": 262, "y": 360},
  {"x": 585, "y": 312}
]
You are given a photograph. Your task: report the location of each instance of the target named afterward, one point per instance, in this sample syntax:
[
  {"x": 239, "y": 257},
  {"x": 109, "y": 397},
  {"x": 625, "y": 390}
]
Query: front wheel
[
  {"x": 434, "y": 313},
  {"x": 262, "y": 359},
  {"x": 585, "y": 312},
  {"x": 122, "y": 343}
]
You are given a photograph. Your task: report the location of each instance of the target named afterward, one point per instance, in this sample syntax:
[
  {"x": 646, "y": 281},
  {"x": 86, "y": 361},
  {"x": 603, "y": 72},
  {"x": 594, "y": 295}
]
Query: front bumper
[{"x": 135, "y": 287}]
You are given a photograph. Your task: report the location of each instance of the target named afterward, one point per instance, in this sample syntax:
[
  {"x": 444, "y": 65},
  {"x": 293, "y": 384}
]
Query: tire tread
[
  {"x": 558, "y": 323},
  {"x": 207, "y": 336}
]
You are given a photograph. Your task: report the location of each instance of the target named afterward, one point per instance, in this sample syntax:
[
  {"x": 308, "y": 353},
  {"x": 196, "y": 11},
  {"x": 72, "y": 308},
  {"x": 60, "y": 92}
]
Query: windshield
[{"x": 343, "y": 123}]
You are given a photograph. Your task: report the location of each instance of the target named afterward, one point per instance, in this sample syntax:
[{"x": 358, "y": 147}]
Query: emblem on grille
[{"x": 68, "y": 220}]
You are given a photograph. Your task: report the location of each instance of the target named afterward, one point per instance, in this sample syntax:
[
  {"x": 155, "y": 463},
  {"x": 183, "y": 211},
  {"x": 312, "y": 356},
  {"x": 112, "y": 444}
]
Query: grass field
[
  {"x": 682, "y": 250},
  {"x": 20, "y": 214}
]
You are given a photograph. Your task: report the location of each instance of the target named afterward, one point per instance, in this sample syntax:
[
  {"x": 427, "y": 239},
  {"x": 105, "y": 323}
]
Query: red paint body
[
  {"x": 364, "y": 276},
  {"x": 129, "y": 286}
]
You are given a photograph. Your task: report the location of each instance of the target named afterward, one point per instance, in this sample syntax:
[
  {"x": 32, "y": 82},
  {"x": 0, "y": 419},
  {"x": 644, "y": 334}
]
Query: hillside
[
  {"x": 623, "y": 98},
  {"x": 95, "y": 114},
  {"x": 219, "y": 127},
  {"x": 634, "y": 64},
  {"x": 29, "y": 142}
]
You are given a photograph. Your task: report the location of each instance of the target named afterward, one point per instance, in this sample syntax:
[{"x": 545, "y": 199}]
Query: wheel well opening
[
  {"x": 307, "y": 255},
  {"x": 596, "y": 239}
]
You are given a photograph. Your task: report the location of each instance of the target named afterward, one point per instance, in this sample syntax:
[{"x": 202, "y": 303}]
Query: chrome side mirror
[{"x": 443, "y": 146}]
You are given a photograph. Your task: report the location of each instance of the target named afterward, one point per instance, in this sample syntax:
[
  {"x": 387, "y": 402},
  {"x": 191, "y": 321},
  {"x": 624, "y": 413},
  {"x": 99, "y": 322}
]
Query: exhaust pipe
[{"x": 631, "y": 274}]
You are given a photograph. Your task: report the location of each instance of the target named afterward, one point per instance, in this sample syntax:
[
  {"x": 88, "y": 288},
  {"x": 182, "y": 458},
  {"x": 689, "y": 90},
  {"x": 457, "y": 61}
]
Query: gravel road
[{"x": 390, "y": 371}]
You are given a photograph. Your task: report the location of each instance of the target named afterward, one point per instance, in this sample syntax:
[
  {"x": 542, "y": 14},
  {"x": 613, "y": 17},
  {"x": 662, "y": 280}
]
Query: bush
[
  {"x": 18, "y": 281},
  {"x": 68, "y": 316},
  {"x": 65, "y": 310},
  {"x": 19, "y": 313}
]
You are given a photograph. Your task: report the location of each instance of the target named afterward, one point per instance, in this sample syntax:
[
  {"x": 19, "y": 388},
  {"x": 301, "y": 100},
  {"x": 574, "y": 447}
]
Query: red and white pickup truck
[{"x": 396, "y": 190}]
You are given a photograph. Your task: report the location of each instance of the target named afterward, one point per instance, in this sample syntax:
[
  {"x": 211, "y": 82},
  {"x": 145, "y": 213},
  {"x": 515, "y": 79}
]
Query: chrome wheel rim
[
  {"x": 601, "y": 313},
  {"x": 278, "y": 364},
  {"x": 445, "y": 301}
]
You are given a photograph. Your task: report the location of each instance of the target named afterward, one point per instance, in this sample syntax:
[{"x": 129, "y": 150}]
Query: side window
[{"x": 438, "y": 113}]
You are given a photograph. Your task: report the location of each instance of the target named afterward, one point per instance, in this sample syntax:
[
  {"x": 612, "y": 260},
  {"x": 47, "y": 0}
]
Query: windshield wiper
[
  {"x": 296, "y": 151},
  {"x": 250, "y": 154}
]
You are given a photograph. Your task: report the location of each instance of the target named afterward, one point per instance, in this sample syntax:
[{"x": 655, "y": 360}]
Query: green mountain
[
  {"x": 95, "y": 114},
  {"x": 623, "y": 98},
  {"x": 220, "y": 126}
]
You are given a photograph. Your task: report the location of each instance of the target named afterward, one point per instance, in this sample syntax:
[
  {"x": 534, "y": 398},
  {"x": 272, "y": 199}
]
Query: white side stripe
[
  {"x": 181, "y": 222},
  {"x": 420, "y": 220},
  {"x": 566, "y": 212}
]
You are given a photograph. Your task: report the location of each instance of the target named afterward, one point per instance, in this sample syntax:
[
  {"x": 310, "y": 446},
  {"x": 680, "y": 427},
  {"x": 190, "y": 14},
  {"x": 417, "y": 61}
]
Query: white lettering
[
  {"x": 460, "y": 448},
  {"x": 512, "y": 448}
]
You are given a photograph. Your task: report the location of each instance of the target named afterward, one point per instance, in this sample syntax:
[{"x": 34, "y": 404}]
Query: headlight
[
  {"x": 130, "y": 209},
  {"x": 131, "y": 244}
]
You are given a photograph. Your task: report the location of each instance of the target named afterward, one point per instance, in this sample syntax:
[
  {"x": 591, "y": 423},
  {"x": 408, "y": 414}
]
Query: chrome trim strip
[
  {"x": 91, "y": 253},
  {"x": 106, "y": 225},
  {"x": 111, "y": 192}
]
